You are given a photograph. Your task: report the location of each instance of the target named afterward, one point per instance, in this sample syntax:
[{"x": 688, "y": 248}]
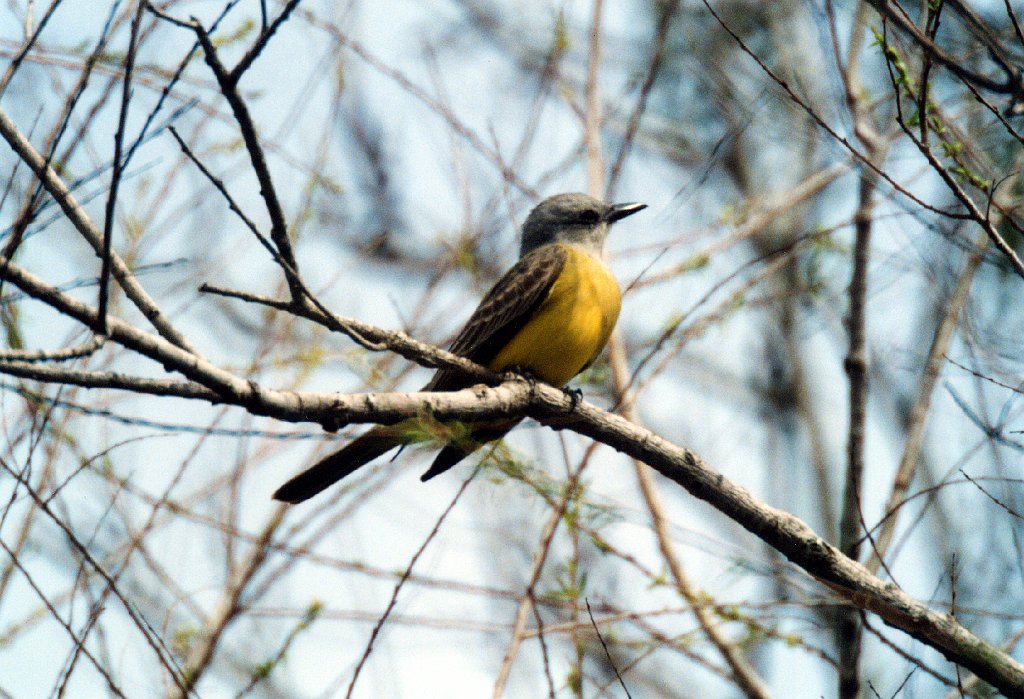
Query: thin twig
[
  {"x": 984, "y": 220},
  {"x": 153, "y": 639},
  {"x": 16, "y": 62},
  {"x": 84, "y": 225},
  {"x": 115, "y": 177},
  {"x": 228, "y": 82},
  {"x": 265, "y": 35},
  {"x": 201, "y": 653},
  {"x": 61, "y": 355},
  {"x": 55, "y": 614},
  {"x": 910, "y": 658},
  {"x": 842, "y": 140},
  {"x": 1012, "y": 85},
  {"x": 540, "y": 557},
  {"x": 917, "y": 419},
  {"x": 743, "y": 674},
  {"x": 220, "y": 187},
  {"x": 401, "y": 582},
  {"x": 606, "y": 653},
  {"x": 178, "y": 72},
  {"x": 457, "y": 126},
  {"x": 1009, "y": 510},
  {"x": 593, "y": 120},
  {"x": 543, "y": 645},
  {"x": 666, "y": 13}
]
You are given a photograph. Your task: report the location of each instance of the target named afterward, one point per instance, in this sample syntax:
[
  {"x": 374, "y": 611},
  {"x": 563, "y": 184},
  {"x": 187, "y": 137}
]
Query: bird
[{"x": 548, "y": 317}]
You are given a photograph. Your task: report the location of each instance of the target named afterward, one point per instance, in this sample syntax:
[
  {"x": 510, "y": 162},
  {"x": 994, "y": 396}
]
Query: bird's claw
[{"x": 575, "y": 396}]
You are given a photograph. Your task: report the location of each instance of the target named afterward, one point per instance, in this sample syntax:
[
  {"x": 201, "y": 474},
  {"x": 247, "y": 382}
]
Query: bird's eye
[{"x": 589, "y": 216}]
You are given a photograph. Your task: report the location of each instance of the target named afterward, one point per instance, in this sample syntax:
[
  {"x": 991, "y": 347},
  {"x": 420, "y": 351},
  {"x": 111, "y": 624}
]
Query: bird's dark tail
[
  {"x": 333, "y": 468},
  {"x": 455, "y": 452}
]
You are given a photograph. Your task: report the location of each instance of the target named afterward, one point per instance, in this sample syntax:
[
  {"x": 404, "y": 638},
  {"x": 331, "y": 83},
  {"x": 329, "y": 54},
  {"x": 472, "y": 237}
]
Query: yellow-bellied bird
[{"x": 549, "y": 316}]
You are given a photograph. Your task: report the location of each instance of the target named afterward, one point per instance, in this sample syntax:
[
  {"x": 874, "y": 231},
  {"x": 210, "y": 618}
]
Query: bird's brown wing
[
  {"x": 500, "y": 315},
  {"x": 503, "y": 312}
]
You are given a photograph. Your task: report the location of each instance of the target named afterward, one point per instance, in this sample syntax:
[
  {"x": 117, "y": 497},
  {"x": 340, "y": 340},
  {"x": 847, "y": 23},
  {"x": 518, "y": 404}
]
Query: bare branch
[
  {"x": 83, "y": 350},
  {"x": 76, "y": 214},
  {"x": 228, "y": 82},
  {"x": 265, "y": 35},
  {"x": 1012, "y": 84},
  {"x": 911, "y": 456},
  {"x": 403, "y": 579},
  {"x": 116, "y": 172}
]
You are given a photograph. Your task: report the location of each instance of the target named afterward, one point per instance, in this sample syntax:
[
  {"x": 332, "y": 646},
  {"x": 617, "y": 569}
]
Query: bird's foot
[{"x": 575, "y": 395}]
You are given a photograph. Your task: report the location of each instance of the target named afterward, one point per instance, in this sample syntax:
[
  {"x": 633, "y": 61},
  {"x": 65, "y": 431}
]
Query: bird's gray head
[{"x": 572, "y": 218}]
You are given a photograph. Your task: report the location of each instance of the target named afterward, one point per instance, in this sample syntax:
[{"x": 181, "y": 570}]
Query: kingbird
[{"x": 548, "y": 317}]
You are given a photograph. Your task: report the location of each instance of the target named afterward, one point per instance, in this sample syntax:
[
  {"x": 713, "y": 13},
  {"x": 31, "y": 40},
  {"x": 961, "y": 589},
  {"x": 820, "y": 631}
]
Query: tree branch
[
  {"x": 783, "y": 531},
  {"x": 94, "y": 236},
  {"x": 1013, "y": 85}
]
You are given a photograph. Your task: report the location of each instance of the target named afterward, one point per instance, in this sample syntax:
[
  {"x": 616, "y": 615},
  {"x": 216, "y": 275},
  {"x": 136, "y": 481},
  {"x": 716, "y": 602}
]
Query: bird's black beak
[{"x": 620, "y": 211}]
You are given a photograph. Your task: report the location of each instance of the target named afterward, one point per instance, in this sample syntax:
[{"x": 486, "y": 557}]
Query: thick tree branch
[
  {"x": 781, "y": 530},
  {"x": 792, "y": 537},
  {"x": 211, "y": 382}
]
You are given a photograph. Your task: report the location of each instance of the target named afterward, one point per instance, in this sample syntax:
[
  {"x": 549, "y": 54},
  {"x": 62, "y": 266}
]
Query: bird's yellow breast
[{"x": 571, "y": 326}]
